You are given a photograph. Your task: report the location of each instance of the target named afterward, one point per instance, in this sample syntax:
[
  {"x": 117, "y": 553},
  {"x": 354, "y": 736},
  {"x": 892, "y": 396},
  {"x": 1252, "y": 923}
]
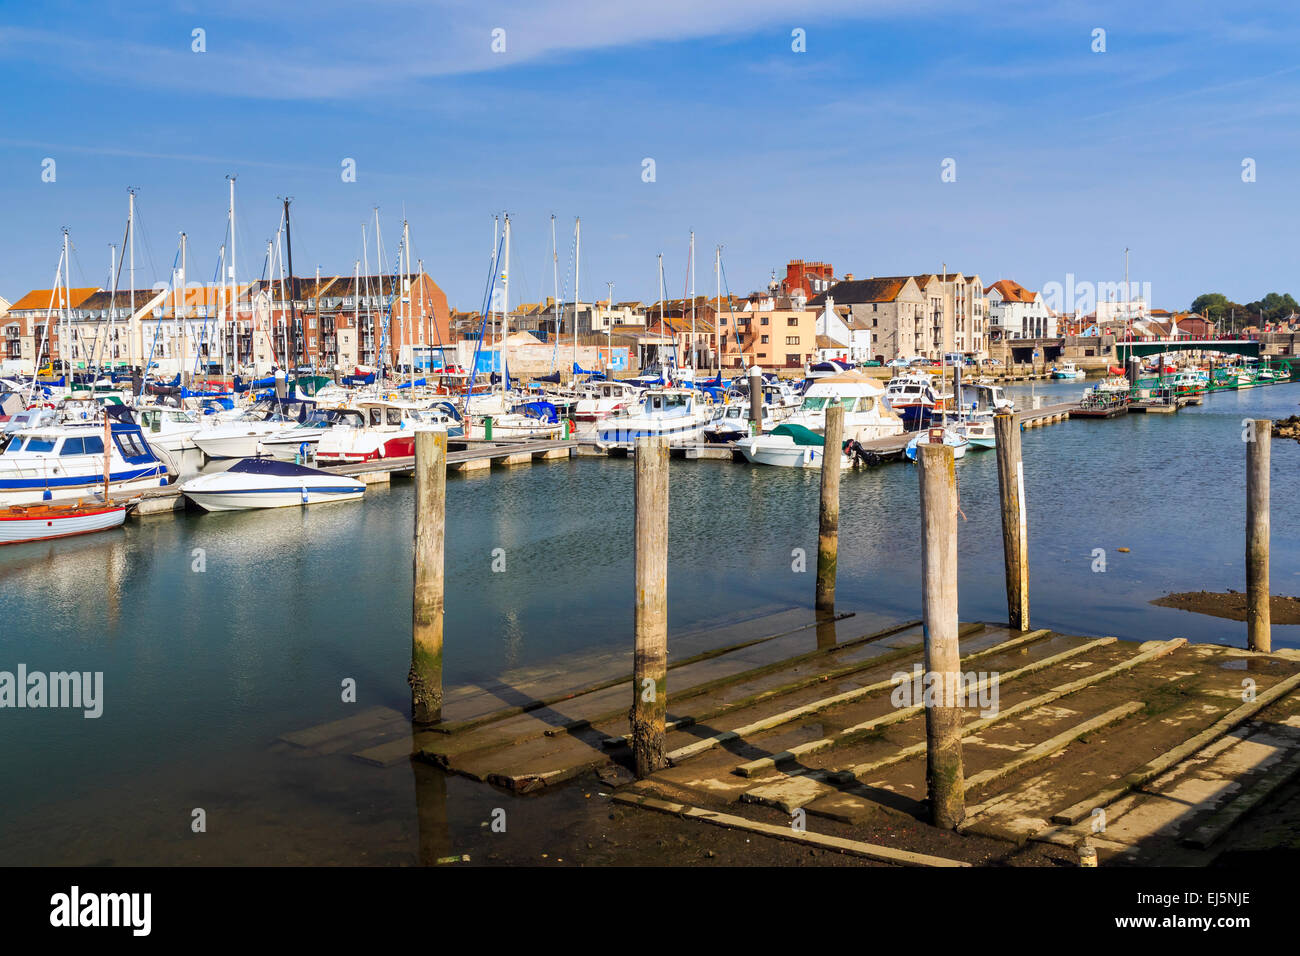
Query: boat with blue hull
[{"x": 56, "y": 462}]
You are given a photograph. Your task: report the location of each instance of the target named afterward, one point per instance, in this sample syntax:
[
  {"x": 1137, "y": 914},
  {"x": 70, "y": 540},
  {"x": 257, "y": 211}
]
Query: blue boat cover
[{"x": 272, "y": 466}]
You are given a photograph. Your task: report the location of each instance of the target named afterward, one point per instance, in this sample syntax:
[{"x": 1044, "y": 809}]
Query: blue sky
[{"x": 1064, "y": 156}]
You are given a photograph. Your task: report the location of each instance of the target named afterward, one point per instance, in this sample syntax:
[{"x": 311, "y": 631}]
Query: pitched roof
[
  {"x": 1011, "y": 291},
  {"x": 40, "y": 299},
  {"x": 863, "y": 290}
]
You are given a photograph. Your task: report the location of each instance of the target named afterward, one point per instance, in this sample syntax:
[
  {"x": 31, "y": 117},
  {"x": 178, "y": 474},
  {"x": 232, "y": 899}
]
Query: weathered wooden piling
[
  {"x": 1258, "y": 619},
  {"x": 828, "y": 535},
  {"x": 425, "y": 677},
  {"x": 756, "y": 399},
  {"x": 650, "y": 664},
  {"x": 1015, "y": 526},
  {"x": 945, "y": 781}
]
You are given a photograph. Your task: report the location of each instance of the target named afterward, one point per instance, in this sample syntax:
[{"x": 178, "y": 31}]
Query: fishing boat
[
  {"x": 984, "y": 399},
  {"x": 598, "y": 400},
  {"x": 22, "y": 523},
  {"x": 946, "y": 435},
  {"x": 671, "y": 413},
  {"x": 255, "y": 483},
  {"x": 977, "y": 429},
  {"x": 1069, "y": 371},
  {"x": 65, "y": 461}
]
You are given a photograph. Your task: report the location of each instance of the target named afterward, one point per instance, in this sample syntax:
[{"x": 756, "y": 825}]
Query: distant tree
[
  {"x": 1272, "y": 307},
  {"x": 1213, "y": 305}
]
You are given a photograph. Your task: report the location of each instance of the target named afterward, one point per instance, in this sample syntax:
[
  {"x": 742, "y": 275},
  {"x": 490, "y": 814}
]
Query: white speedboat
[
  {"x": 947, "y": 434},
  {"x": 243, "y": 437},
  {"x": 67, "y": 461},
  {"x": 300, "y": 441},
  {"x": 268, "y": 483},
  {"x": 788, "y": 446},
  {"x": 170, "y": 428},
  {"x": 672, "y": 413}
]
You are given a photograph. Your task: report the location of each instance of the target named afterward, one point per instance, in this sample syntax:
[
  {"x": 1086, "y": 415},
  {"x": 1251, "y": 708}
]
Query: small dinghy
[
  {"x": 21, "y": 523},
  {"x": 268, "y": 483}
]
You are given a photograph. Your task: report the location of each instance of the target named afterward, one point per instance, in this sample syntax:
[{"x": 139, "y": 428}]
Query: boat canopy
[
  {"x": 800, "y": 434},
  {"x": 271, "y": 466}
]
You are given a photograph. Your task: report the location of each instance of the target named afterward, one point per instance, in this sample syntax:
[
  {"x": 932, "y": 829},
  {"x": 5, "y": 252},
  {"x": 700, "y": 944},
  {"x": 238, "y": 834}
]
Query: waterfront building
[{"x": 1016, "y": 313}]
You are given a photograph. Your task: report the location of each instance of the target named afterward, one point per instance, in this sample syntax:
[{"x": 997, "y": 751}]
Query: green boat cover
[{"x": 801, "y": 435}]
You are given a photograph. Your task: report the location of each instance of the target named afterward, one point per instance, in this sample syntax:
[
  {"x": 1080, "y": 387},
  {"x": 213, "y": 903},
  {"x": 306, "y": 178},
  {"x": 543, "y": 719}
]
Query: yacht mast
[
  {"x": 233, "y": 306},
  {"x": 692, "y": 267},
  {"x": 67, "y": 312},
  {"x": 717, "y": 318},
  {"x": 577, "y": 256},
  {"x": 505, "y": 313},
  {"x": 130, "y": 229}
]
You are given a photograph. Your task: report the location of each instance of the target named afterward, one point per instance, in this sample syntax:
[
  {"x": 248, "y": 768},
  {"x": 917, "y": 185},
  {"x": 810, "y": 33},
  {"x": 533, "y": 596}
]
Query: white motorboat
[
  {"x": 867, "y": 415},
  {"x": 728, "y": 423},
  {"x": 789, "y": 446},
  {"x": 243, "y": 437},
  {"x": 672, "y": 413},
  {"x": 170, "y": 428},
  {"x": 67, "y": 461},
  {"x": 946, "y": 434},
  {"x": 267, "y": 483},
  {"x": 301, "y": 441}
]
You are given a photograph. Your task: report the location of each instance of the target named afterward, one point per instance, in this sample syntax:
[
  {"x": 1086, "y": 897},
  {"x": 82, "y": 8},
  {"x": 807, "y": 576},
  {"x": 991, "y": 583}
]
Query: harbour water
[{"x": 217, "y": 633}]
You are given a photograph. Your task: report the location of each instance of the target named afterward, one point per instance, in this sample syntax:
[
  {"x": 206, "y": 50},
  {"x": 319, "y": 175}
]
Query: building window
[
  {"x": 792, "y": 340},
  {"x": 764, "y": 340},
  {"x": 792, "y": 322},
  {"x": 764, "y": 321}
]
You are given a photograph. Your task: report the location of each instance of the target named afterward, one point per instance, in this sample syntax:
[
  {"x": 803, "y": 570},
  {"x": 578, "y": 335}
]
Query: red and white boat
[
  {"x": 20, "y": 523},
  {"x": 376, "y": 429}
]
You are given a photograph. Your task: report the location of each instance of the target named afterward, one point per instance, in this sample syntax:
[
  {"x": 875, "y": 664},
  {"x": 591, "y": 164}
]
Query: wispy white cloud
[{"x": 344, "y": 49}]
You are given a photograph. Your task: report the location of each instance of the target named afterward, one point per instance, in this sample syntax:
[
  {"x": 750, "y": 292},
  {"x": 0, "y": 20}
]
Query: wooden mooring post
[
  {"x": 1015, "y": 525},
  {"x": 756, "y": 399},
  {"x": 650, "y": 663},
  {"x": 828, "y": 534},
  {"x": 943, "y": 687},
  {"x": 1259, "y": 442},
  {"x": 425, "y": 677}
]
